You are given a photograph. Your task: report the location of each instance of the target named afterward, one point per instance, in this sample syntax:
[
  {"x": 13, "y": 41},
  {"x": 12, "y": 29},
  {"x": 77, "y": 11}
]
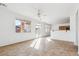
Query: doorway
[{"x": 38, "y": 30}]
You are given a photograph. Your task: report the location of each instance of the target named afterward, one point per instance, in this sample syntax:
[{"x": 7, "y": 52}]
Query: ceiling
[{"x": 52, "y": 13}]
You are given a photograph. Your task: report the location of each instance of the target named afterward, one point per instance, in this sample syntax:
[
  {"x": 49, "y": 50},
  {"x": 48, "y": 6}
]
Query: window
[{"x": 23, "y": 26}]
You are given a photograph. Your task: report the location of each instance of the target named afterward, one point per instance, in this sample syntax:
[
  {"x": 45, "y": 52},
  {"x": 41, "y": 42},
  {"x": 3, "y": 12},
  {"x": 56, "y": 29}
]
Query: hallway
[{"x": 54, "y": 48}]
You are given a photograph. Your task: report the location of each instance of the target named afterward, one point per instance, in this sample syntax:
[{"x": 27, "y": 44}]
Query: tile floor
[{"x": 52, "y": 48}]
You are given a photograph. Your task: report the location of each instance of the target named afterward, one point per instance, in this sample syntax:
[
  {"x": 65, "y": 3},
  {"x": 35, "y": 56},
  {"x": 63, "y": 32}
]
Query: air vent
[{"x": 2, "y": 4}]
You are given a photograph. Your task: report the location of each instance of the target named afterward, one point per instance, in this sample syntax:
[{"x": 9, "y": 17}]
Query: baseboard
[
  {"x": 15, "y": 43},
  {"x": 62, "y": 40}
]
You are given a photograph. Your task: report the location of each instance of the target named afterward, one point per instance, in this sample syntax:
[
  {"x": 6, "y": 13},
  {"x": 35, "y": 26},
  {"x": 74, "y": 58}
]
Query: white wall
[
  {"x": 7, "y": 28},
  {"x": 77, "y": 23},
  {"x": 8, "y": 34},
  {"x": 64, "y": 36},
  {"x": 61, "y": 35},
  {"x": 69, "y": 35},
  {"x": 73, "y": 28},
  {"x": 72, "y": 34}
]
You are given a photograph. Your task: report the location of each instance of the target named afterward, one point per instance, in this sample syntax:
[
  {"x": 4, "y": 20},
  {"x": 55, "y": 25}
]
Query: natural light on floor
[{"x": 40, "y": 43}]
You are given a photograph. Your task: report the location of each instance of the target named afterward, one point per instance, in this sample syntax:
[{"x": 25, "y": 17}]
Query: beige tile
[{"x": 54, "y": 48}]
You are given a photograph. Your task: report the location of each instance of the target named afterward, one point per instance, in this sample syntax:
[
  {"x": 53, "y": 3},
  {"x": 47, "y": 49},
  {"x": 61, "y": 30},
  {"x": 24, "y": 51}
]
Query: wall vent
[{"x": 2, "y": 4}]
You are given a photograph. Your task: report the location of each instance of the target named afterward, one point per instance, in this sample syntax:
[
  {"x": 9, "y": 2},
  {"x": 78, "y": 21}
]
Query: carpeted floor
[{"x": 53, "y": 48}]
